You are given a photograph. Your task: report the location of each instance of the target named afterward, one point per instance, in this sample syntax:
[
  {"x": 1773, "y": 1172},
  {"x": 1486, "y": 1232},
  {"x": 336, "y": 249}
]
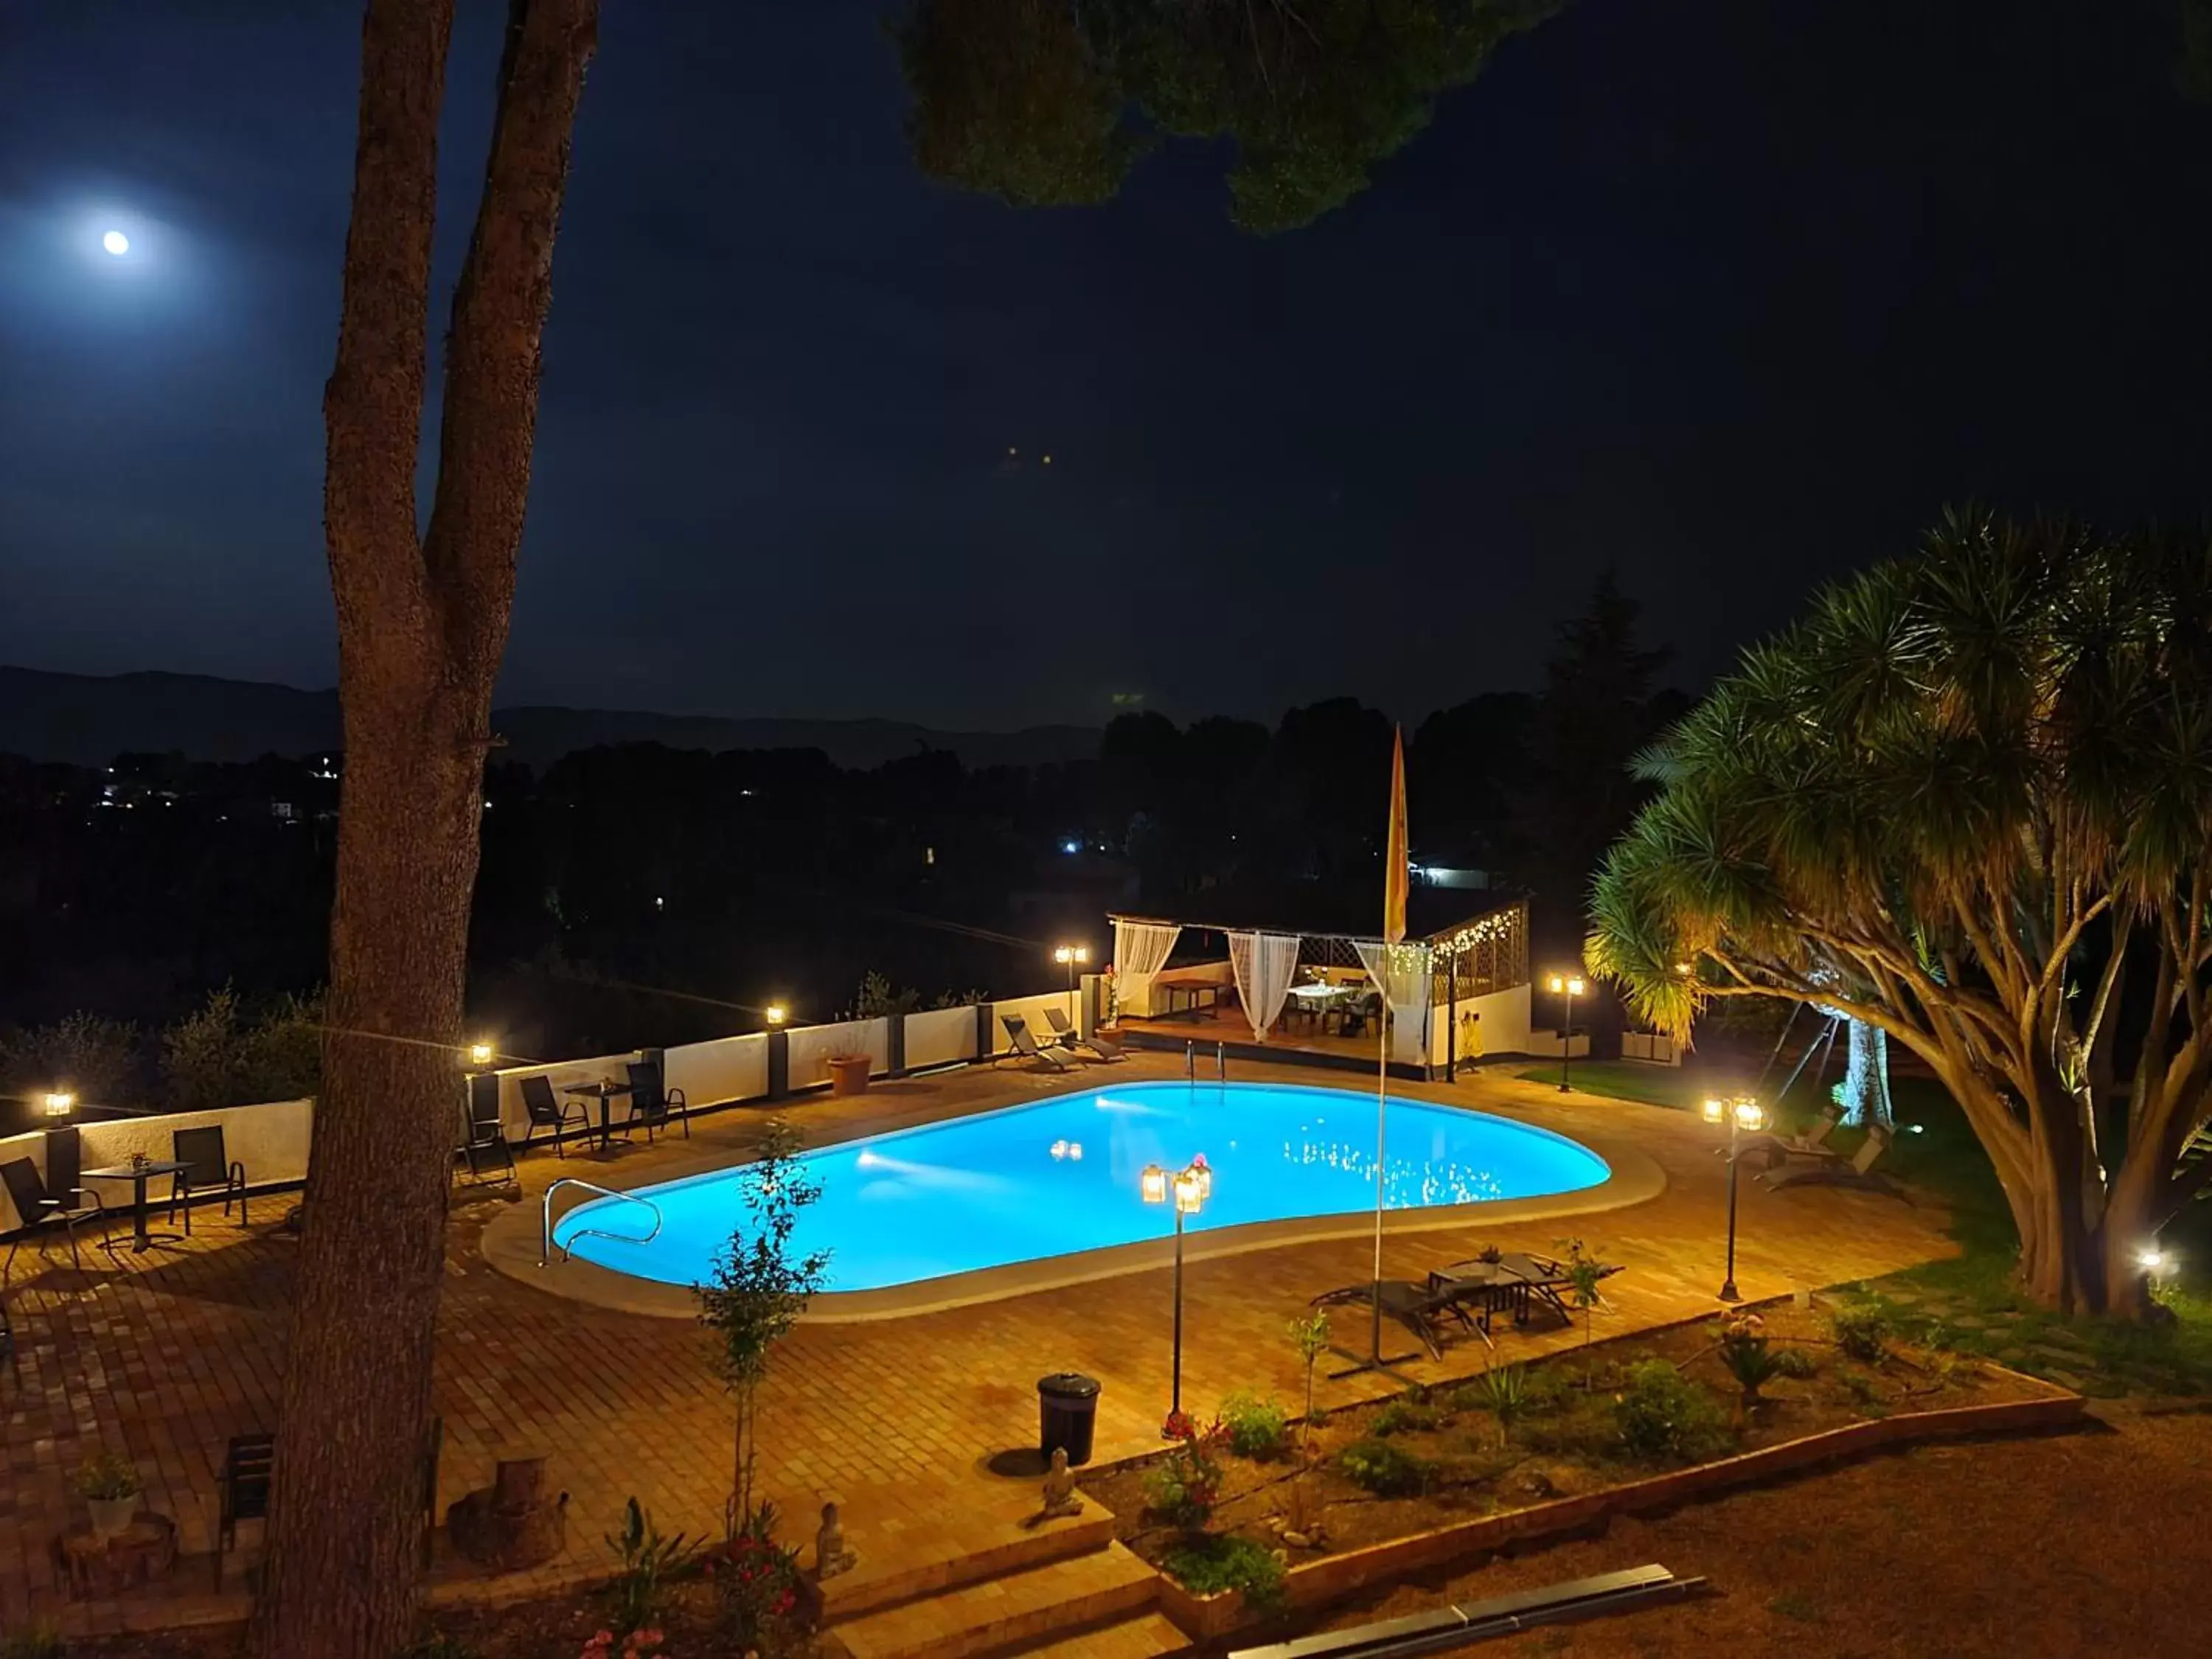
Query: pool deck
[{"x": 166, "y": 1356}]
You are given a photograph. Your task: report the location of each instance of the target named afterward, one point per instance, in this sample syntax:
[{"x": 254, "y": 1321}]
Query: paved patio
[{"x": 168, "y": 1355}]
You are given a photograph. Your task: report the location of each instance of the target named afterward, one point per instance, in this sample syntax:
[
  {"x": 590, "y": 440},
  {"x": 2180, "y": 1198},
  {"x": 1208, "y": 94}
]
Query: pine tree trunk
[
  {"x": 422, "y": 627},
  {"x": 346, "y": 1508}
]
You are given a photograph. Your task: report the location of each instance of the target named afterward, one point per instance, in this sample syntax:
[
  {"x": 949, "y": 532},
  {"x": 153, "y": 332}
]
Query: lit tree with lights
[{"x": 1968, "y": 801}]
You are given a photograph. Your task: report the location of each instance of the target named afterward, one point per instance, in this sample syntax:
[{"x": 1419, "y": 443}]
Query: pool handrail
[{"x": 545, "y": 1210}]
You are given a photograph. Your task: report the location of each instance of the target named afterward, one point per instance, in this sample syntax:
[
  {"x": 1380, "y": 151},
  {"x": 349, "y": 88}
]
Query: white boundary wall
[{"x": 939, "y": 1037}]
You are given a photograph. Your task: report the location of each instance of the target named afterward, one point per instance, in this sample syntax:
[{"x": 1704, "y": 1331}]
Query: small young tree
[
  {"x": 1585, "y": 1274},
  {"x": 758, "y": 1289},
  {"x": 1311, "y": 1337}
]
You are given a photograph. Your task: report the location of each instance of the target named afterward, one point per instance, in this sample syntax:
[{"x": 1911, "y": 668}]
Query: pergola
[{"x": 1473, "y": 956}]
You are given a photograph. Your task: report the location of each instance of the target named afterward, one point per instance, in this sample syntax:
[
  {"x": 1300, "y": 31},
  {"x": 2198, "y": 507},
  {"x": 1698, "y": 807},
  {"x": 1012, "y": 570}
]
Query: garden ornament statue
[
  {"x": 830, "y": 1555},
  {"x": 1060, "y": 1497}
]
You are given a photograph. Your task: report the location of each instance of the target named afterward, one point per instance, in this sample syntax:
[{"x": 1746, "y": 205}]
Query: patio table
[
  {"x": 605, "y": 1091},
  {"x": 138, "y": 1175}
]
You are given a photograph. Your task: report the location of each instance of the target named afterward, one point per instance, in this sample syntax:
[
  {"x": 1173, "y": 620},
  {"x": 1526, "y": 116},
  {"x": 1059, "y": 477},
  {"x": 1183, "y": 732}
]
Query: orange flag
[{"x": 1396, "y": 876}]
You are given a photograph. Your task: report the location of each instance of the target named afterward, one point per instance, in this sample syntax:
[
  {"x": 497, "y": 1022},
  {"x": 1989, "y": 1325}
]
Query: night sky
[{"x": 1734, "y": 295}]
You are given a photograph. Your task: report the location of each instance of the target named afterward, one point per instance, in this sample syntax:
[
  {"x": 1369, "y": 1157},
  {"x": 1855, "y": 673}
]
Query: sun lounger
[
  {"x": 1780, "y": 1149},
  {"x": 1025, "y": 1047},
  {"x": 1067, "y": 1037},
  {"x": 1833, "y": 1170},
  {"x": 1419, "y": 1308}
]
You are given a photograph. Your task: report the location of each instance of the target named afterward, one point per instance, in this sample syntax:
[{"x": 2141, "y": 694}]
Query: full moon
[{"x": 116, "y": 243}]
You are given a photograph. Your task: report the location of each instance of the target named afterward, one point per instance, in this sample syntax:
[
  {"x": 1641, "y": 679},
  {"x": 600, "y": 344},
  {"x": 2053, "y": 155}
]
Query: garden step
[
  {"x": 1146, "y": 1635},
  {"x": 912, "y": 1542},
  {"x": 1000, "y": 1615}
]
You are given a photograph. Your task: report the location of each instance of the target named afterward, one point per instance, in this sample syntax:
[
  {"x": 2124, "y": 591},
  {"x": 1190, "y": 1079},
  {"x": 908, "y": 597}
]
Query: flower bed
[{"x": 1629, "y": 1425}]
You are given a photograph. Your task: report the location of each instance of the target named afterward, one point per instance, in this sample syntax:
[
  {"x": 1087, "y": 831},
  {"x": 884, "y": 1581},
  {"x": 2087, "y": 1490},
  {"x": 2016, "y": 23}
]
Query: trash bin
[{"x": 1067, "y": 1413}]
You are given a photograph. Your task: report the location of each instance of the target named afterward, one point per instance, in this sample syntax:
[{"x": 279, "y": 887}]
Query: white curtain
[
  {"x": 1264, "y": 964},
  {"x": 1141, "y": 949},
  {"x": 1400, "y": 972}
]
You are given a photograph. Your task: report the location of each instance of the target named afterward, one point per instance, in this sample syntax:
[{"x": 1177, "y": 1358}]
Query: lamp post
[
  {"x": 59, "y": 1102},
  {"x": 1071, "y": 956},
  {"x": 775, "y": 1013},
  {"x": 1743, "y": 1115},
  {"x": 480, "y": 1054},
  {"x": 1188, "y": 1190},
  {"x": 1571, "y": 987}
]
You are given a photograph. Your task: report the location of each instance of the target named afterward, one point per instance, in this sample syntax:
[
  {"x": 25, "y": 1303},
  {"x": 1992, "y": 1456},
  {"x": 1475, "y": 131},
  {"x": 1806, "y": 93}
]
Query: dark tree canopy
[{"x": 1049, "y": 102}]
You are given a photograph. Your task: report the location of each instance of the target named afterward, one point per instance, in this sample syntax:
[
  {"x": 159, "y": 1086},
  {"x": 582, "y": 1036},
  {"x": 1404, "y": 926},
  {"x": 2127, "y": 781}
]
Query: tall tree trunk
[
  {"x": 347, "y": 1510},
  {"x": 422, "y": 627}
]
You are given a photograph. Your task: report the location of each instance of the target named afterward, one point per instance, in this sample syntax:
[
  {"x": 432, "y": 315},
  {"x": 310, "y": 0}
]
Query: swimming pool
[{"x": 1060, "y": 1175}]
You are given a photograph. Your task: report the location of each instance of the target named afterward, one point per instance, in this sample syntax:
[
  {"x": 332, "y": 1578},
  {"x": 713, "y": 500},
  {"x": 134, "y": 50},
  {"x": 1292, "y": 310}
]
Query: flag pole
[{"x": 1397, "y": 875}]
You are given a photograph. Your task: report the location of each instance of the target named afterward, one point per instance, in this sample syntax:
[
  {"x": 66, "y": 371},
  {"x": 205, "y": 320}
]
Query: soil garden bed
[{"x": 1635, "y": 1423}]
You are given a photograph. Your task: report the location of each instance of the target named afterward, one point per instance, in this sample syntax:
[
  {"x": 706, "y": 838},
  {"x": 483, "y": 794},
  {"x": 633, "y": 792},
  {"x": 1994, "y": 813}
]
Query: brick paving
[{"x": 167, "y": 1355}]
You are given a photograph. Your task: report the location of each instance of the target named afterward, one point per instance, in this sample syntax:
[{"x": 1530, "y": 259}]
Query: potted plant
[
  {"x": 108, "y": 1483},
  {"x": 848, "y": 1073}
]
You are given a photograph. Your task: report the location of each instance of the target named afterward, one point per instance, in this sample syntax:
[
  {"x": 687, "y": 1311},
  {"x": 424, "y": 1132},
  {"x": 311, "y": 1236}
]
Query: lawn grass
[{"x": 1969, "y": 1304}]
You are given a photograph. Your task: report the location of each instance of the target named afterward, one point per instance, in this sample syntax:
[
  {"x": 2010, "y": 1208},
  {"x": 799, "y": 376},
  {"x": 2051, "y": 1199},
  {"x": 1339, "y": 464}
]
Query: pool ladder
[
  {"x": 545, "y": 1233},
  {"x": 1190, "y": 1060}
]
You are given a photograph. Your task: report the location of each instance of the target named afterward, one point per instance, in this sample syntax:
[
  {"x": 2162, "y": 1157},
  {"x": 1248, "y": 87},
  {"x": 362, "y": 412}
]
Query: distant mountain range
[{"x": 87, "y": 720}]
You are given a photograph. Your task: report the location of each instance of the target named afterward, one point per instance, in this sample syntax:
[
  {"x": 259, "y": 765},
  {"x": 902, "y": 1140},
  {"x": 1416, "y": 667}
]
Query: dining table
[
  {"x": 138, "y": 1172},
  {"x": 606, "y": 1092}
]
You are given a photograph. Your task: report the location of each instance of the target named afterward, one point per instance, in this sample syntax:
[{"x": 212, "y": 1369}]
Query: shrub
[
  {"x": 1860, "y": 1331},
  {"x": 1209, "y": 1566},
  {"x": 1503, "y": 1391},
  {"x": 650, "y": 1558},
  {"x": 434, "y": 1646},
  {"x": 1386, "y": 1470},
  {"x": 1405, "y": 1416},
  {"x": 1185, "y": 1487},
  {"x": 106, "y": 1474},
  {"x": 1257, "y": 1427},
  {"x": 757, "y": 1584},
  {"x": 96, "y": 1059},
  {"x": 1663, "y": 1417},
  {"x": 1747, "y": 1357},
  {"x": 1796, "y": 1363}
]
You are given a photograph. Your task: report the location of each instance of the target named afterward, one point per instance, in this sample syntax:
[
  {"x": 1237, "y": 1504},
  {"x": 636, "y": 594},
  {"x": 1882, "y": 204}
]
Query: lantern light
[
  {"x": 480, "y": 1054},
  {"x": 1153, "y": 1182},
  {"x": 59, "y": 1102}
]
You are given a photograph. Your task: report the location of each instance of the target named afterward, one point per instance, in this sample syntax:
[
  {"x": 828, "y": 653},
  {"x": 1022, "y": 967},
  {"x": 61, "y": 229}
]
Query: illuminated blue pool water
[{"x": 1062, "y": 1174}]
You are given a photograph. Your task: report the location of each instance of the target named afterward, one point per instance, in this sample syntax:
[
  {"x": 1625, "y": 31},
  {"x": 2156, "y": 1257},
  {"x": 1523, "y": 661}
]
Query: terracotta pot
[
  {"x": 111, "y": 1517},
  {"x": 848, "y": 1073}
]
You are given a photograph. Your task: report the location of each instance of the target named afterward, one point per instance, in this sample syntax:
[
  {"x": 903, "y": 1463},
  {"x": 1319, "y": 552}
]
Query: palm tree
[{"x": 1968, "y": 801}]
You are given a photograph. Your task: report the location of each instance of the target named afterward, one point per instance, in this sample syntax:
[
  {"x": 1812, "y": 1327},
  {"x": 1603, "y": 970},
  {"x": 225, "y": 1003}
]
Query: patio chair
[
  {"x": 1831, "y": 1168},
  {"x": 1025, "y": 1047},
  {"x": 241, "y": 1490},
  {"x": 1067, "y": 1037},
  {"x": 552, "y": 1114},
  {"x": 653, "y": 1104},
  {"x": 1357, "y": 1012},
  {"x": 206, "y": 1170},
  {"x": 1419, "y": 1308},
  {"x": 38, "y": 1212},
  {"x": 484, "y": 1144}
]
